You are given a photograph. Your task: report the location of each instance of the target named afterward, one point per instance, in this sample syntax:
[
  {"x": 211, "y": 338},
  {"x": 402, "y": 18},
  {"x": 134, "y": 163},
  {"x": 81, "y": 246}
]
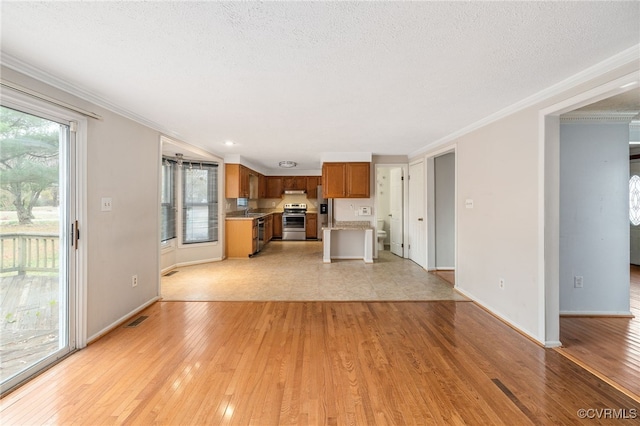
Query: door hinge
[
  {"x": 401, "y": 245},
  {"x": 73, "y": 126},
  {"x": 401, "y": 177}
]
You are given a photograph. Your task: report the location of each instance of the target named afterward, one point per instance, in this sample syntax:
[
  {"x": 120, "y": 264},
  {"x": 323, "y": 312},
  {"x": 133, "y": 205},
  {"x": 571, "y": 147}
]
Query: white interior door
[
  {"x": 417, "y": 223},
  {"x": 395, "y": 228}
]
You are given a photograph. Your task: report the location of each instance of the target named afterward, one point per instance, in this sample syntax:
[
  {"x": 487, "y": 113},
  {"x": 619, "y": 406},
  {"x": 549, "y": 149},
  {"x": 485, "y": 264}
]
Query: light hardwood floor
[
  {"x": 313, "y": 363},
  {"x": 610, "y": 347}
]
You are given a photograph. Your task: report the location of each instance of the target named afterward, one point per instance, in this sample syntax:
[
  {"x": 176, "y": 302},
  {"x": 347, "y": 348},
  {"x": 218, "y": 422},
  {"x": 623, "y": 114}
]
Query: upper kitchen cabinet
[
  {"x": 312, "y": 186},
  {"x": 346, "y": 180},
  {"x": 237, "y": 183},
  {"x": 262, "y": 186},
  {"x": 296, "y": 183},
  {"x": 274, "y": 186}
]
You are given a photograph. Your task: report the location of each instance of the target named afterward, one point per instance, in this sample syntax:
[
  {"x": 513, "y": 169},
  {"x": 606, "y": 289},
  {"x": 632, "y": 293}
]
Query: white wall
[
  {"x": 500, "y": 166},
  {"x": 594, "y": 218},
  {"x": 123, "y": 160}
]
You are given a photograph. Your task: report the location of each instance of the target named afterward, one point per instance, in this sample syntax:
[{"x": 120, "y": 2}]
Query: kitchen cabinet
[
  {"x": 346, "y": 180},
  {"x": 268, "y": 228},
  {"x": 312, "y": 226},
  {"x": 241, "y": 237},
  {"x": 277, "y": 225},
  {"x": 312, "y": 186},
  {"x": 262, "y": 186},
  {"x": 274, "y": 186},
  {"x": 236, "y": 181},
  {"x": 294, "y": 183}
]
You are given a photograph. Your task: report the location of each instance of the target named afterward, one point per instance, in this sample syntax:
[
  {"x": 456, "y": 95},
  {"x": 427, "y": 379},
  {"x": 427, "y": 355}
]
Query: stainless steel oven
[{"x": 294, "y": 221}]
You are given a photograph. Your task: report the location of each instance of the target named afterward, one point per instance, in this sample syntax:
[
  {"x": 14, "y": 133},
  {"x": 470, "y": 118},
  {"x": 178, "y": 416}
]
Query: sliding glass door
[{"x": 37, "y": 242}]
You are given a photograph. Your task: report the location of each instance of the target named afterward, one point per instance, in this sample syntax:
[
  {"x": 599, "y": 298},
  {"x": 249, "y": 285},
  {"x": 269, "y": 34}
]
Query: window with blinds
[
  {"x": 168, "y": 201},
  {"x": 199, "y": 203}
]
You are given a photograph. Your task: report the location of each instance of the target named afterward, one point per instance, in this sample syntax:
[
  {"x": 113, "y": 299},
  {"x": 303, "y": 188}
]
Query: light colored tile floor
[{"x": 293, "y": 271}]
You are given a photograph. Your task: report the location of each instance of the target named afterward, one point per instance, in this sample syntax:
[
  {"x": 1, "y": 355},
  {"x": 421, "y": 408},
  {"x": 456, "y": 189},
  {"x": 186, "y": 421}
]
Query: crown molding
[
  {"x": 625, "y": 57},
  {"x": 28, "y": 70},
  {"x": 597, "y": 117}
]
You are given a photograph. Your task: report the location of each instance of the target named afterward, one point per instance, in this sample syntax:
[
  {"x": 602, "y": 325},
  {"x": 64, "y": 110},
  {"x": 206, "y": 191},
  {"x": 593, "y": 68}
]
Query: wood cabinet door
[
  {"x": 312, "y": 225},
  {"x": 244, "y": 182},
  {"x": 268, "y": 228},
  {"x": 312, "y": 186},
  {"x": 232, "y": 180},
  {"x": 262, "y": 186},
  {"x": 358, "y": 180},
  {"x": 274, "y": 186},
  {"x": 334, "y": 180},
  {"x": 300, "y": 183},
  {"x": 288, "y": 183},
  {"x": 277, "y": 225}
]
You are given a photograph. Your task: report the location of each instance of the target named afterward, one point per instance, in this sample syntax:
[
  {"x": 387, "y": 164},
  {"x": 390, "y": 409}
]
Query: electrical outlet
[
  {"x": 578, "y": 282},
  {"x": 501, "y": 282},
  {"x": 134, "y": 280}
]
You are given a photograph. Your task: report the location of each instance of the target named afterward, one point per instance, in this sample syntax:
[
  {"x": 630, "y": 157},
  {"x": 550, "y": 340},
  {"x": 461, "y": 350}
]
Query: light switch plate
[{"x": 106, "y": 204}]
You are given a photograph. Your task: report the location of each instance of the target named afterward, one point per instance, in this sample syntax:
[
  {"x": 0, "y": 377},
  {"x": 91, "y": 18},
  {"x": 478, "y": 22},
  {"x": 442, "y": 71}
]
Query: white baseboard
[
  {"x": 122, "y": 319},
  {"x": 503, "y": 318},
  {"x": 191, "y": 263},
  {"x": 623, "y": 314}
]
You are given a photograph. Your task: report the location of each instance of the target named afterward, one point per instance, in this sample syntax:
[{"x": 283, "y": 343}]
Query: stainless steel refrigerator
[{"x": 323, "y": 212}]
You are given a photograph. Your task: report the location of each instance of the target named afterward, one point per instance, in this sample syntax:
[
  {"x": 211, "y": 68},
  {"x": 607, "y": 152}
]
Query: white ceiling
[{"x": 291, "y": 80}]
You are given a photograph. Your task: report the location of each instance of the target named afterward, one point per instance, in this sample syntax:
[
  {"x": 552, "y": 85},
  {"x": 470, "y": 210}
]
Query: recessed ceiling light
[
  {"x": 229, "y": 143},
  {"x": 287, "y": 164}
]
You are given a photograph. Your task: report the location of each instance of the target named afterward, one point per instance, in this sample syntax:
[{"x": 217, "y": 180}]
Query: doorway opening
[
  {"x": 551, "y": 263},
  {"x": 390, "y": 211},
  {"x": 441, "y": 215}
]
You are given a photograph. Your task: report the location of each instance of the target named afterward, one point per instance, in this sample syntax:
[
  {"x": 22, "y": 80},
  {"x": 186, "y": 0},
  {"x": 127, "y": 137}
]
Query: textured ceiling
[
  {"x": 626, "y": 102},
  {"x": 293, "y": 80}
]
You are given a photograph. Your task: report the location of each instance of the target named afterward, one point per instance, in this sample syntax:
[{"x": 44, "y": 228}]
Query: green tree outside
[{"x": 29, "y": 160}]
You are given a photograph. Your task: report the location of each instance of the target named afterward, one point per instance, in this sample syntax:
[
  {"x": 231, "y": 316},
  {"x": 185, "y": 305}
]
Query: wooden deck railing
[{"x": 29, "y": 253}]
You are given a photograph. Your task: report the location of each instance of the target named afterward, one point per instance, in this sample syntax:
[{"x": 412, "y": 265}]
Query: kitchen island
[{"x": 347, "y": 240}]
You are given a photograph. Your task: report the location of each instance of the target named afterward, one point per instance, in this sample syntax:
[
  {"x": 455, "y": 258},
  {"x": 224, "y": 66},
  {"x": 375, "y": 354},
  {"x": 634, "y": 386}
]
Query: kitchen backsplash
[{"x": 273, "y": 203}]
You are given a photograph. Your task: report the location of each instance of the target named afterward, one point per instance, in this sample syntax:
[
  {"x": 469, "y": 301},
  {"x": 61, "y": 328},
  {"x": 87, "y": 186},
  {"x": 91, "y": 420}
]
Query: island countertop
[{"x": 348, "y": 225}]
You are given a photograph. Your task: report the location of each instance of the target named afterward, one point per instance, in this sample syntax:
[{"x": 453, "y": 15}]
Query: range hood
[{"x": 295, "y": 192}]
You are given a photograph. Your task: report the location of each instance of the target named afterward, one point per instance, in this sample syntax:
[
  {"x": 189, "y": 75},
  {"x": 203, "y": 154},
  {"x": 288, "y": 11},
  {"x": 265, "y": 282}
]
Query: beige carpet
[{"x": 293, "y": 271}]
